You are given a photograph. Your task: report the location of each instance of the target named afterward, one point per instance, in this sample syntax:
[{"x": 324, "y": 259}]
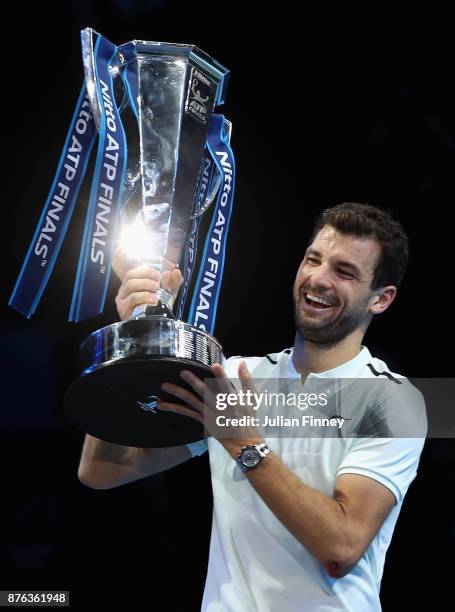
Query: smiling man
[{"x": 303, "y": 523}]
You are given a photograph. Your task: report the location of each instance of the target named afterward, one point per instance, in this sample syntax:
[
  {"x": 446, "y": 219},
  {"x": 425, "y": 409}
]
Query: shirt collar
[{"x": 349, "y": 369}]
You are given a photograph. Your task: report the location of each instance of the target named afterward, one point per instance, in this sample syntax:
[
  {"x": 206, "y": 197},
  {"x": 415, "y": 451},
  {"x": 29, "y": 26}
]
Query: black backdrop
[{"x": 323, "y": 111}]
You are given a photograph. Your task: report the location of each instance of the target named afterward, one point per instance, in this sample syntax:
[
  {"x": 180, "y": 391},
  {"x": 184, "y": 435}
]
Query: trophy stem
[
  {"x": 165, "y": 297},
  {"x": 163, "y": 308}
]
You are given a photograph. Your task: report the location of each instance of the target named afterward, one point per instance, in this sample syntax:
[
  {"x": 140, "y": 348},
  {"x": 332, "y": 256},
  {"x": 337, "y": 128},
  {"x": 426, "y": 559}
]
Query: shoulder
[
  {"x": 398, "y": 400},
  {"x": 377, "y": 368},
  {"x": 399, "y": 384}
]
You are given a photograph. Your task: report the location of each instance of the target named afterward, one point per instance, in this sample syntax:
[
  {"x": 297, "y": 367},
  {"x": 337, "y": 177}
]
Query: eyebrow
[{"x": 344, "y": 264}]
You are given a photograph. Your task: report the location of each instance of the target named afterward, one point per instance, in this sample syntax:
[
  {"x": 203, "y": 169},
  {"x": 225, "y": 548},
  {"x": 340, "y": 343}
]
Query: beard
[{"x": 329, "y": 333}]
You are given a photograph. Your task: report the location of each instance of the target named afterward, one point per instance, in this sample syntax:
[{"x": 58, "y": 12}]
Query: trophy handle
[
  {"x": 216, "y": 183},
  {"x": 209, "y": 198}
]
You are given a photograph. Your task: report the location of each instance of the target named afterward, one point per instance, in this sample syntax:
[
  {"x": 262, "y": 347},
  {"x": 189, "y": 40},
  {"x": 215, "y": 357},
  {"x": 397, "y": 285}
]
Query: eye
[
  {"x": 345, "y": 274},
  {"x": 312, "y": 260}
]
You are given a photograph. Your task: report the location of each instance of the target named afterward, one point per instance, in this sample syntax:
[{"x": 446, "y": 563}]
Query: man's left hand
[{"x": 201, "y": 404}]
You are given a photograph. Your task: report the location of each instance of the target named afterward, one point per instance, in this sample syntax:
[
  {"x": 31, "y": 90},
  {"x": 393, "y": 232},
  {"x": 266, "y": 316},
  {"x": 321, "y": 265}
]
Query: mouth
[{"x": 314, "y": 302}]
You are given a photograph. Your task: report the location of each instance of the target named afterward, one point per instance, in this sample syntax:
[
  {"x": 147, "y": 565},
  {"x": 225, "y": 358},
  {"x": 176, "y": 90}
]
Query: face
[{"x": 332, "y": 290}]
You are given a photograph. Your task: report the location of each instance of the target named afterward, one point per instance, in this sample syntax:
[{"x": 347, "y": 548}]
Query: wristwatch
[{"x": 251, "y": 455}]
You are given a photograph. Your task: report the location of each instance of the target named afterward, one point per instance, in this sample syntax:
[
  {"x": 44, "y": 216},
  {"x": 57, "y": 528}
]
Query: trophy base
[{"x": 124, "y": 365}]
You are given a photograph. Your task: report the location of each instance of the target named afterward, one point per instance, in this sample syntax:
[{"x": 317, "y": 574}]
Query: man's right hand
[
  {"x": 140, "y": 286},
  {"x": 104, "y": 465}
]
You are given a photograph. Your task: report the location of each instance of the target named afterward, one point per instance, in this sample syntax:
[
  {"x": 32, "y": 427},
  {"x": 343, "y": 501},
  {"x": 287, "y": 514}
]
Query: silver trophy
[{"x": 123, "y": 365}]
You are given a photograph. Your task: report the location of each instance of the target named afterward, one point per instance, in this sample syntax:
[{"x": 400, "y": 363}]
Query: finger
[
  {"x": 172, "y": 280},
  {"x": 224, "y": 382},
  {"x": 222, "y": 377},
  {"x": 165, "y": 279},
  {"x": 179, "y": 409},
  {"x": 245, "y": 377},
  {"x": 219, "y": 371},
  {"x": 184, "y": 395},
  {"x": 136, "y": 299},
  {"x": 119, "y": 263},
  {"x": 176, "y": 280},
  {"x": 199, "y": 386},
  {"x": 143, "y": 272},
  {"x": 194, "y": 382},
  {"x": 118, "y": 254},
  {"x": 134, "y": 285}
]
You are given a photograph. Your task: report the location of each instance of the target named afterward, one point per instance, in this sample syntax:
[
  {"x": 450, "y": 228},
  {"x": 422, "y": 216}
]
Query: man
[{"x": 298, "y": 523}]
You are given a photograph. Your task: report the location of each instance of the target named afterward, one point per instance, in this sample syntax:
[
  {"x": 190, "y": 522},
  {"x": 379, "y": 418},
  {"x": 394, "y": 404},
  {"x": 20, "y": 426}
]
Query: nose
[{"x": 319, "y": 277}]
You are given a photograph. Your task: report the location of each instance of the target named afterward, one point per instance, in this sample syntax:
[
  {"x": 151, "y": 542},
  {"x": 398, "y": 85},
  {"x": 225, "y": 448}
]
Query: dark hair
[{"x": 366, "y": 221}]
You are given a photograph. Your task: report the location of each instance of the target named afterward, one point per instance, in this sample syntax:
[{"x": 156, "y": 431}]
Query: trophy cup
[{"x": 159, "y": 167}]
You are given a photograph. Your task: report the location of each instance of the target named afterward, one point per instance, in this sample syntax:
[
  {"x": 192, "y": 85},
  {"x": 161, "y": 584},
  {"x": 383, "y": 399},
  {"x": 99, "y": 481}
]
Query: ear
[{"x": 382, "y": 299}]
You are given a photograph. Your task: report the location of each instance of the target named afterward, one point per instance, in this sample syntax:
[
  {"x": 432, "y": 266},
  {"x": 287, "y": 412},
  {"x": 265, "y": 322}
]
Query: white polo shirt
[{"x": 255, "y": 563}]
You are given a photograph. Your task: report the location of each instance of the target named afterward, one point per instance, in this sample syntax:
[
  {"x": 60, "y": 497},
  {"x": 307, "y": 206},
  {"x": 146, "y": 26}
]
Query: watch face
[{"x": 250, "y": 457}]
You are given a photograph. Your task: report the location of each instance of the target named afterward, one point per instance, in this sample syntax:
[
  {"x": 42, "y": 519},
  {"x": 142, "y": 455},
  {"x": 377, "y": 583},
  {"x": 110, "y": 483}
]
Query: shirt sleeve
[
  {"x": 393, "y": 460},
  {"x": 198, "y": 448}
]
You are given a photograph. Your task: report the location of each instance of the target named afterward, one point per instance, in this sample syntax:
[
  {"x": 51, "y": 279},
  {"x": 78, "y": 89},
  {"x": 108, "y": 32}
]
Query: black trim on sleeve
[
  {"x": 271, "y": 360},
  {"x": 287, "y": 351},
  {"x": 388, "y": 374}
]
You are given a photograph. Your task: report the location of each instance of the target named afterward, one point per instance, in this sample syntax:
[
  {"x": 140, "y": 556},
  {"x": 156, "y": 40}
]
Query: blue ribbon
[
  {"x": 205, "y": 187},
  {"x": 58, "y": 209},
  {"x": 208, "y": 284},
  {"x": 93, "y": 273}
]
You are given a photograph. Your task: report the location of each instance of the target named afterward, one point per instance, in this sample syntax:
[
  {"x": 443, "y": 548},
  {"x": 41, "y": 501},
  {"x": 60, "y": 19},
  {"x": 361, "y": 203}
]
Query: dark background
[{"x": 325, "y": 108}]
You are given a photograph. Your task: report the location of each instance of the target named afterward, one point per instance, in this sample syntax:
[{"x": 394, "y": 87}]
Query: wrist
[
  {"x": 234, "y": 445},
  {"x": 251, "y": 455}
]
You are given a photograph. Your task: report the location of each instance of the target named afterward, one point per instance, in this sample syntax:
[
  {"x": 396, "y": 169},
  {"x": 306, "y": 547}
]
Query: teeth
[{"x": 314, "y": 298}]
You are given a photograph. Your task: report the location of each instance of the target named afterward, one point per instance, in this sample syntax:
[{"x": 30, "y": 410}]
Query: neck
[{"x": 310, "y": 357}]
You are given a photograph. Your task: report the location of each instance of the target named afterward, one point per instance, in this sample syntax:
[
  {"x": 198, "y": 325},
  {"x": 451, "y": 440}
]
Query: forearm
[
  {"x": 104, "y": 465},
  {"x": 318, "y": 521}
]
